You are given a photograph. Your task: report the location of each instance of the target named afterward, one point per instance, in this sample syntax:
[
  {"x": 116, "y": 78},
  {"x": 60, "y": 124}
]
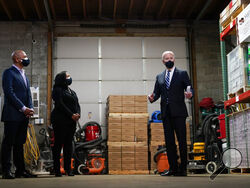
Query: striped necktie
[{"x": 168, "y": 80}]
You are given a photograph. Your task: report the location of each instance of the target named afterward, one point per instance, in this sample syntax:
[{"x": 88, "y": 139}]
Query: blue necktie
[{"x": 168, "y": 80}]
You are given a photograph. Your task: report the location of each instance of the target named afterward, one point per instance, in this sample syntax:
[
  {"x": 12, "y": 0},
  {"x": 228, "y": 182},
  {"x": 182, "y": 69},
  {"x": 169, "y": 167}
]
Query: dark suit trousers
[
  {"x": 15, "y": 134},
  {"x": 63, "y": 139},
  {"x": 175, "y": 125}
]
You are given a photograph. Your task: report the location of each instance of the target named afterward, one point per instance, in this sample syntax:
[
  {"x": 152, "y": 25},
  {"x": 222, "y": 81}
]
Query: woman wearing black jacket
[{"x": 64, "y": 116}]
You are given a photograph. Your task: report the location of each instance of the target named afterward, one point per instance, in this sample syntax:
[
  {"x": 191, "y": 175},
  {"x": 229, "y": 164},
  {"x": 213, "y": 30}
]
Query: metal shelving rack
[{"x": 242, "y": 98}]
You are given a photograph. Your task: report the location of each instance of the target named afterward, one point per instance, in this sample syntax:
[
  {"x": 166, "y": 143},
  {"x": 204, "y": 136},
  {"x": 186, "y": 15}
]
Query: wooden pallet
[
  {"x": 128, "y": 172},
  {"x": 239, "y": 92},
  {"x": 240, "y": 171}
]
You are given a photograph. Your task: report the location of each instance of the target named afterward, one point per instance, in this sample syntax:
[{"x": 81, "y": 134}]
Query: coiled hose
[{"x": 31, "y": 149}]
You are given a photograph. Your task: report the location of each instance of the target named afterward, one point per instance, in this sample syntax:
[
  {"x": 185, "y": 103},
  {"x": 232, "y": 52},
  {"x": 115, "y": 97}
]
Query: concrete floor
[{"x": 130, "y": 181}]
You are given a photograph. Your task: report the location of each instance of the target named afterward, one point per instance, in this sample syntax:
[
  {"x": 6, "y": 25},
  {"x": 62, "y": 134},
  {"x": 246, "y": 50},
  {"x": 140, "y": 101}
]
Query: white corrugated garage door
[{"x": 102, "y": 66}]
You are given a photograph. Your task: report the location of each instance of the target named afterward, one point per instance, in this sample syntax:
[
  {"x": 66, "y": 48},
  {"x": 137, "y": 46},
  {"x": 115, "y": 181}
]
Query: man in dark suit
[
  {"x": 16, "y": 112},
  {"x": 170, "y": 85}
]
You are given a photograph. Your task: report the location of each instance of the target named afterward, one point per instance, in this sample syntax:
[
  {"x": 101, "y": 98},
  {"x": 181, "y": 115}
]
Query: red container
[
  {"x": 162, "y": 162},
  {"x": 222, "y": 126},
  {"x": 92, "y": 132}
]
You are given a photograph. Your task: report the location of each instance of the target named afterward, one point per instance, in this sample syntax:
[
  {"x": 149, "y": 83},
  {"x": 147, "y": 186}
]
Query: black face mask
[
  {"x": 169, "y": 64},
  {"x": 25, "y": 62},
  {"x": 69, "y": 81}
]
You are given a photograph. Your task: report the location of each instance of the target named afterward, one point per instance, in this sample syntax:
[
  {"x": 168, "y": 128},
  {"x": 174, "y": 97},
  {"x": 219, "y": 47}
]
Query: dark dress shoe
[
  {"x": 70, "y": 173},
  {"x": 25, "y": 174},
  {"x": 8, "y": 175},
  {"x": 168, "y": 173}
]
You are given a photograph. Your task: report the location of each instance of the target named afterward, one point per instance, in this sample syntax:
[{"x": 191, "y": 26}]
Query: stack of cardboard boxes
[
  {"x": 127, "y": 133},
  {"x": 157, "y": 139},
  {"x": 127, "y": 104}
]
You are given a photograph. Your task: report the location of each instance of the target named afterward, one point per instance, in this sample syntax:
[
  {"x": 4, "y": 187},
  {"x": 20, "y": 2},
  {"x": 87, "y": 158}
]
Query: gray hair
[
  {"x": 16, "y": 53},
  {"x": 167, "y": 52}
]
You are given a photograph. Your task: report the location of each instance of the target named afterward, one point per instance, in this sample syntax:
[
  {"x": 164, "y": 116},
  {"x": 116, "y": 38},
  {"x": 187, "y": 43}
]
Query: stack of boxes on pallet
[
  {"x": 231, "y": 12},
  {"x": 127, "y": 133},
  {"x": 157, "y": 139},
  {"x": 240, "y": 136}
]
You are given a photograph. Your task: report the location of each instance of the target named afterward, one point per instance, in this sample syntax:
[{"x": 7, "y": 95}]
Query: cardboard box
[
  {"x": 157, "y": 132},
  {"x": 128, "y": 126},
  {"x": 128, "y": 166},
  {"x": 141, "y": 98},
  {"x": 115, "y": 109},
  {"x": 141, "y": 109},
  {"x": 128, "y": 109},
  {"x": 231, "y": 11},
  {"x": 115, "y": 147},
  {"x": 128, "y": 147},
  {"x": 140, "y": 103},
  {"x": 141, "y": 166},
  {"x": 243, "y": 25},
  {"x": 117, "y": 166},
  {"x": 115, "y": 132},
  {"x": 115, "y": 119},
  {"x": 237, "y": 69},
  {"x": 158, "y": 138},
  {"x": 141, "y": 147},
  {"x": 114, "y": 103},
  {"x": 128, "y": 118},
  {"x": 141, "y": 118},
  {"x": 128, "y": 100},
  {"x": 128, "y": 138},
  {"x": 141, "y": 156},
  {"x": 114, "y": 138},
  {"x": 128, "y": 130},
  {"x": 141, "y": 138},
  {"x": 141, "y": 126},
  {"x": 156, "y": 126},
  {"x": 141, "y": 135},
  {"x": 115, "y": 156},
  {"x": 114, "y": 160},
  {"x": 114, "y": 125},
  {"x": 130, "y": 156}
]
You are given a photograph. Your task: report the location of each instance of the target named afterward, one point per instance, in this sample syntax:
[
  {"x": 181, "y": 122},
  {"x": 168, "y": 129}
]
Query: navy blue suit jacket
[
  {"x": 16, "y": 95},
  {"x": 175, "y": 93}
]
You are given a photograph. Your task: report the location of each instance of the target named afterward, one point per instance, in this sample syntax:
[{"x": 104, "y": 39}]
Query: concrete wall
[
  {"x": 32, "y": 38},
  {"x": 208, "y": 62}
]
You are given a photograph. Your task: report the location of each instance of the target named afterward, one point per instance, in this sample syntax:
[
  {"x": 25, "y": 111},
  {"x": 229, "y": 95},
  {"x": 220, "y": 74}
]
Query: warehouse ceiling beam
[
  {"x": 131, "y": 3},
  {"x": 115, "y": 9},
  {"x": 163, "y": 5},
  {"x": 100, "y": 9},
  {"x": 37, "y": 9},
  {"x": 21, "y": 7},
  {"x": 52, "y": 8},
  {"x": 68, "y": 9},
  {"x": 192, "y": 9},
  {"x": 146, "y": 8},
  {"x": 177, "y": 7},
  {"x": 202, "y": 12},
  {"x": 84, "y": 9},
  {"x": 46, "y": 5},
  {"x": 6, "y": 9}
]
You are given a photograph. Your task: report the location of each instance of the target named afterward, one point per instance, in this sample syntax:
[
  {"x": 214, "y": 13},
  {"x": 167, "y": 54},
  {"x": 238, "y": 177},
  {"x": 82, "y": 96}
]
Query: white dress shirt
[{"x": 171, "y": 74}]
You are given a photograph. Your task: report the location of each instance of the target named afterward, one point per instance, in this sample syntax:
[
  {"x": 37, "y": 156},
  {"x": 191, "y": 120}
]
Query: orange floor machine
[
  {"x": 90, "y": 149},
  {"x": 161, "y": 159}
]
